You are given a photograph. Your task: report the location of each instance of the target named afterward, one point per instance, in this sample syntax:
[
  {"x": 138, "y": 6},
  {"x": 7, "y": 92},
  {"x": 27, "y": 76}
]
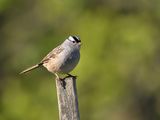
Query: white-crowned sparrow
[{"x": 61, "y": 59}]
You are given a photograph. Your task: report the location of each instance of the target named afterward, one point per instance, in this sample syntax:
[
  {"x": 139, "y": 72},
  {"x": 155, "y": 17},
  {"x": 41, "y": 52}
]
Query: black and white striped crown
[{"x": 74, "y": 39}]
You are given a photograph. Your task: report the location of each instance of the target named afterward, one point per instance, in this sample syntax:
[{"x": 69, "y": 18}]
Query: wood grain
[{"x": 67, "y": 99}]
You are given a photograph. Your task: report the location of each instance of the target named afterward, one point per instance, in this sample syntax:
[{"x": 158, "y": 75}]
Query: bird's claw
[{"x": 69, "y": 75}]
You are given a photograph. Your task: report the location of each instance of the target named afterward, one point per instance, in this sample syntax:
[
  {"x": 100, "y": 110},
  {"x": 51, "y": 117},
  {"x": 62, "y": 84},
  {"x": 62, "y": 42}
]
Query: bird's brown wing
[{"x": 52, "y": 54}]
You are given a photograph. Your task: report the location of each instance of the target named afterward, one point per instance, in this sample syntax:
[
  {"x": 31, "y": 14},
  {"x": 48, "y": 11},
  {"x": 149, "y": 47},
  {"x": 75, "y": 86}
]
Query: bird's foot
[
  {"x": 62, "y": 81},
  {"x": 57, "y": 77},
  {"x": 69, "y": 75}
]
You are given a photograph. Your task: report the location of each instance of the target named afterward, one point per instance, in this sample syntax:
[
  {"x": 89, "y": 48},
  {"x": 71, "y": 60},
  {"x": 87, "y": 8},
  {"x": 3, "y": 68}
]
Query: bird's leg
[
  {"x": 69, "y": 75},
  {"x": 62, "y": 80},
  {"x": 57, "y": 76}
]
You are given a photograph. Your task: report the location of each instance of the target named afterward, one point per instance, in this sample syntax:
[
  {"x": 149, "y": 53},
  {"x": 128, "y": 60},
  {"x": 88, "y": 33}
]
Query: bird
[{"x": 62, "y": 59}]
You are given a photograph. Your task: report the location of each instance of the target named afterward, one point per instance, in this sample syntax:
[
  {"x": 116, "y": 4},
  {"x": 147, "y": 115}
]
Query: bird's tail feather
[{"x": 31, "y": 68}]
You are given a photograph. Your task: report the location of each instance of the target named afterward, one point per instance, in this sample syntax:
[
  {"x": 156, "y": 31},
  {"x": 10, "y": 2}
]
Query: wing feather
[{"x": 52, "y": 54}]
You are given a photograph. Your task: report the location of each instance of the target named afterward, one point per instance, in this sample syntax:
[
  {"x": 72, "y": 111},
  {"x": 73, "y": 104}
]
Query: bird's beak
[{"x": 79, "y": 43}]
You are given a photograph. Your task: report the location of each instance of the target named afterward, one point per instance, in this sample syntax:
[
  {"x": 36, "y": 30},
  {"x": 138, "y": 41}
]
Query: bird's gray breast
[{"x": 71, "y": 61}]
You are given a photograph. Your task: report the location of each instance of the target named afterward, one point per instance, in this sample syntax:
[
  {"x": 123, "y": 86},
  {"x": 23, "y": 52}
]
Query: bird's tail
[{"x": 31, "y": 68}]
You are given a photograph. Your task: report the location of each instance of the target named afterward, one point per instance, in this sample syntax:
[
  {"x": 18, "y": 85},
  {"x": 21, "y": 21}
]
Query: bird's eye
[{"x": 73, "y": 41}]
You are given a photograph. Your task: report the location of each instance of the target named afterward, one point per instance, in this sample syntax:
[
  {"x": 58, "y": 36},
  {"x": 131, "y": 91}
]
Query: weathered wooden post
[{"x": 67, "y": 99}]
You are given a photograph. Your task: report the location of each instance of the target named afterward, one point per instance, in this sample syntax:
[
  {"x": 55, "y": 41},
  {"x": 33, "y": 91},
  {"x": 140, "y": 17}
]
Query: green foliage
[{"x": 118, "y": 74}]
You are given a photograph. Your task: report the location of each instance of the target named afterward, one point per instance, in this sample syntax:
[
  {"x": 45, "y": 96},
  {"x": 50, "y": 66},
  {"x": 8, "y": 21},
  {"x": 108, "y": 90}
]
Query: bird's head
[{"x": 73, "y": 41}]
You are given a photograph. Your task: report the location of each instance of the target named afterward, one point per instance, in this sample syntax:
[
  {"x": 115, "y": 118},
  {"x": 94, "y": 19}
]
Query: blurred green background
[{"x": 119, "y": 70}]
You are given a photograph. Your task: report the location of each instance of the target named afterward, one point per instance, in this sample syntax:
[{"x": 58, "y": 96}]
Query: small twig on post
[{"x": 67, "y": 99}]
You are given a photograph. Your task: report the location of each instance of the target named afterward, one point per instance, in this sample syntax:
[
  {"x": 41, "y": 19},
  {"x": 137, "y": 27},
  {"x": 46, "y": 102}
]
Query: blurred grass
[{"x": 118, "y": 74}]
